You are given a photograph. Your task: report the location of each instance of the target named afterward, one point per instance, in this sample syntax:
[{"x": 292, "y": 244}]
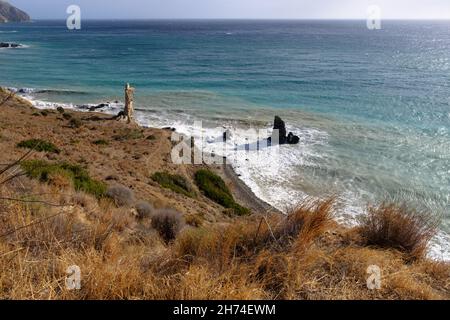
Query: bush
[
  {"x": 144, "y": 209},
  {"x": 45, "y": 113},
  {"x": 399, "y": 227},
  {"x": 101, "y": 142},
  {"x": 122, "y": 196},
  {"x": 129, "y": 134},
  {"x": 60, "y": 110},
  {"x": 38, "y": 145},
  {"x": 67, "y": 116},
  {"x": 44, "y": 171},
  {"x": 168, "y": 223},
  {"x": 75, "y": 123},
  {"x": 215, "y": 188},
  {"x": 194, "y": 220},
  {"x": 305, "y": 223},
  {"x": 173, "y": 182}
]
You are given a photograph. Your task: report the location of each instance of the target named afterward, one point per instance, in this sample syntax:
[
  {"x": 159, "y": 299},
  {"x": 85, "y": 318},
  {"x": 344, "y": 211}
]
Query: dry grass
[
  {"x": 303, "y": 255},
  {"x": 399, "y": 227},
  {"x": 274, "y": 257}
]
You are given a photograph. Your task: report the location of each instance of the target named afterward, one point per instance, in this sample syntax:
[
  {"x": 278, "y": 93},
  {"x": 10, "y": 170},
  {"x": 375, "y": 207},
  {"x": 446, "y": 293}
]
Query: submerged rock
[
  {"x": 99, "y": 106},
  {"x": 292, "y": 139},
  {"x": 9, "y": 45},
  {"x": 226, "y": 135}
]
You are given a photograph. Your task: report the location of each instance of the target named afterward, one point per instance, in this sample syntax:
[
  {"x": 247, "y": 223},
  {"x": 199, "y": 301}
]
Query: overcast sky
[{"x": 272, "y": 9}]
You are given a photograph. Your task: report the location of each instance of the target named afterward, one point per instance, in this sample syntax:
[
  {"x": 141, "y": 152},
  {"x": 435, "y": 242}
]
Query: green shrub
[
  {"x": 38, "y": 145},
  {"x": 101, "y": 142},
  {"x": 67, "y": 116},
  {"x": 215, "y": 188},
  {"x": 129, "y": 134},
  {"x": 42, "y": 170},
  {"x": 45, "y": 113},
  {"x": 60, "y": 110},
  {"x": 174, "y": 182},
  {"x": 75, "y": 123}
]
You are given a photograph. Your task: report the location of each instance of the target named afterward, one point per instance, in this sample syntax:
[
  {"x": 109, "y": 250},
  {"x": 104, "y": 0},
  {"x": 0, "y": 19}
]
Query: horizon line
[{"x": 254, "y": 19}]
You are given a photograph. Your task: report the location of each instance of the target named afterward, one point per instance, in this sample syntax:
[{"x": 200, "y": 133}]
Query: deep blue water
[
  {"x": 376, "y": 103},
  {"x": 394, "y": 74}
]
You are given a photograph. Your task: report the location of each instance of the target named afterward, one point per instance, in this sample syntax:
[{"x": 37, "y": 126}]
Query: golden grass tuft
[{"x": 399, "y": 227}]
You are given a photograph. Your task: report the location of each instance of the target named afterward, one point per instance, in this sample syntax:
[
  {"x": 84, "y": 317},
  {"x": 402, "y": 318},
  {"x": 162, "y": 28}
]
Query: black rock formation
[
  {"x": 9, "y": 45},
  {"x": 279, "y": 125}
]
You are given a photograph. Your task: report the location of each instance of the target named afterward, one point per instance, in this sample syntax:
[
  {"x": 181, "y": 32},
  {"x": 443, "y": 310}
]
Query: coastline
[
  {"x": 241, "y": 190},
  {"x": 215, "y": 255},
  {"x": 245, "y": 194}
]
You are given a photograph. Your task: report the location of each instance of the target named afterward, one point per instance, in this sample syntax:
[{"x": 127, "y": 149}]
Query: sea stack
[
  {"x": 9, "y": 13},
  {"x": 290, "y": 138}
]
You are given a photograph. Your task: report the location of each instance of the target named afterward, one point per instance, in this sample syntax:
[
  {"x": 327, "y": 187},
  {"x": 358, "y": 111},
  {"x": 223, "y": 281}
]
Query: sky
[{"x": 236, "y": 9}]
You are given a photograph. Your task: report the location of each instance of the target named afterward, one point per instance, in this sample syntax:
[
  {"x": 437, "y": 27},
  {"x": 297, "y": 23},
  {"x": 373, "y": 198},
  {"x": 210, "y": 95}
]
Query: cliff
[{"x": 9, "y": 13}]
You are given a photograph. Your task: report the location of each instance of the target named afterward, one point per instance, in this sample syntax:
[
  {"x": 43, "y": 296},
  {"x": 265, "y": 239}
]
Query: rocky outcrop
[
  {"x": 9, "y": 45},
  {"x": 279, "y": 125},
  {"x": 292, "y": 139},
  {"x": 9, "y": 13}
]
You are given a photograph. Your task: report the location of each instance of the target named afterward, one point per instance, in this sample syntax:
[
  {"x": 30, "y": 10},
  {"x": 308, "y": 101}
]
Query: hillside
[
  {"x": 83, "y": 189},
  {"x": 9, "y": 13}
]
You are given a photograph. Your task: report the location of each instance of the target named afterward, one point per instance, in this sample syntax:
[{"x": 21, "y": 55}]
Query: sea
[{"x": 371, "y": 107}]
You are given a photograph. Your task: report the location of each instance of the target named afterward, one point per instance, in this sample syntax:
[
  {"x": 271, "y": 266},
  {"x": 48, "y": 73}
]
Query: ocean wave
[
  {"x": 21, "y": 90},
  {"x": 51, "y": 91},
  {"x": 62, "y": 92},
  {"x": 106, "y": 107}
]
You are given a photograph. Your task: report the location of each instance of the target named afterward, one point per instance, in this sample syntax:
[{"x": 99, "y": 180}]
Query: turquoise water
[{"x": 373, "y": 107}]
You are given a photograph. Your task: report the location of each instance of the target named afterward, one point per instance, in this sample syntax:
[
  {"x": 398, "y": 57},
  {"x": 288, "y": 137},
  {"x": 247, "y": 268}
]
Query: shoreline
[
  {"x": 242, "y": 191},
  {"x": 245, "y": 194}
]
